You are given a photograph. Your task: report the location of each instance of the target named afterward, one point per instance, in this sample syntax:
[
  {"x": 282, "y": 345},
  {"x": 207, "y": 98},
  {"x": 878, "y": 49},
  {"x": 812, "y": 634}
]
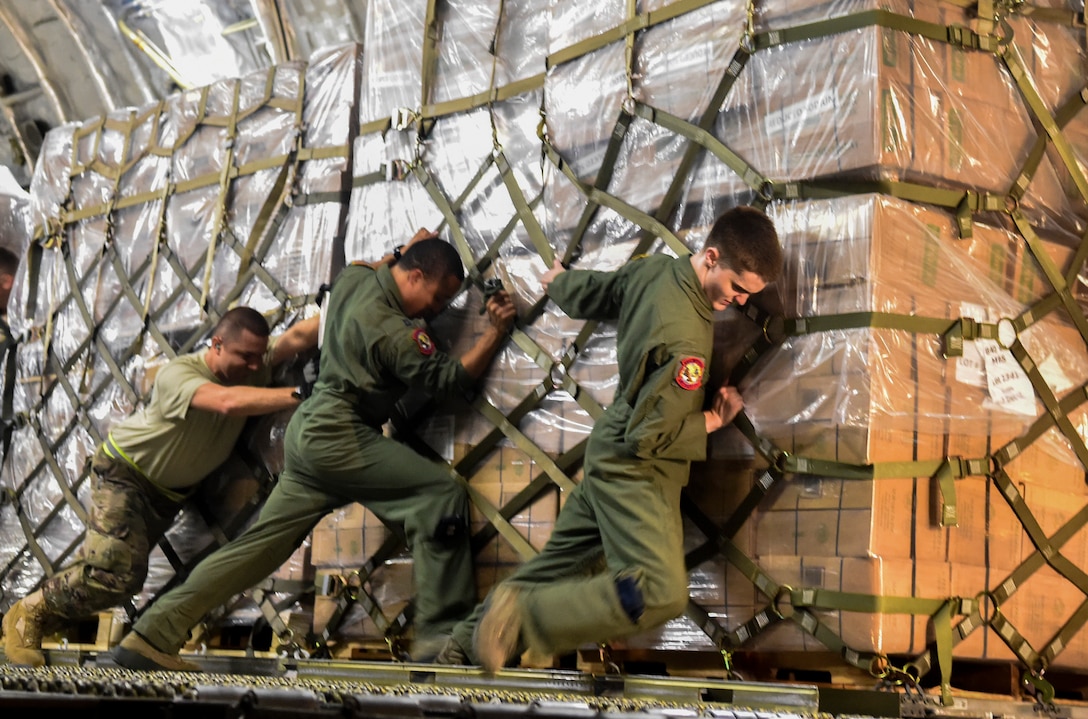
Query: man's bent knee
[
  {"x": 450, "y": 531},
  {"x": 660, "y": 601}
]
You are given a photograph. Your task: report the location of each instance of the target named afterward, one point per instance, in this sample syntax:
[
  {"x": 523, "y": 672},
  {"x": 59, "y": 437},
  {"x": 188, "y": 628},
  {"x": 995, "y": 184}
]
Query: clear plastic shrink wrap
[
  {"x": 147, "y": 226},
  {"x": 815, "y": 126}
]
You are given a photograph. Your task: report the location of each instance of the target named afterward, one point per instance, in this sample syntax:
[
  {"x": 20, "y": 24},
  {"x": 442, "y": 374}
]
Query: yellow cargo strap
[{"x": 113, "y": 450}]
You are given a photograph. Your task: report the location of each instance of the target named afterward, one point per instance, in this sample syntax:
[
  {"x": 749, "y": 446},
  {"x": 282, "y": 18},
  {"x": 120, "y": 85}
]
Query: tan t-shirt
[{"x": 174, "y": 445}]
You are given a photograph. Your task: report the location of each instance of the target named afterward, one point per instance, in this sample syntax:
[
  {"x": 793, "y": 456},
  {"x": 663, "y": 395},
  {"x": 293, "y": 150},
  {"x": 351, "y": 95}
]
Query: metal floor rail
[{"x": 88, "y": 683}]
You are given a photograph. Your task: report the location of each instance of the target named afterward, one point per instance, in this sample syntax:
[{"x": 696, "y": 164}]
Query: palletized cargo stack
[
  {"x": 151, "y": 222},
  {"x": 925, "y": 166}
]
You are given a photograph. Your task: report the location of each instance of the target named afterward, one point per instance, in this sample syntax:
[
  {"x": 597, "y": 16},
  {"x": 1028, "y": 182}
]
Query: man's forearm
[
  {"x": 477, "y": 359},
  {"x": 299, "y": 337},
  {"x": 242, "y": 401}
]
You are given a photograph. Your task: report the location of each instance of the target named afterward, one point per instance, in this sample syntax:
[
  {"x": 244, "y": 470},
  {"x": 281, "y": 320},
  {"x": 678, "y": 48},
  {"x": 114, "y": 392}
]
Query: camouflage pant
[{"x": 128, "y": 516}]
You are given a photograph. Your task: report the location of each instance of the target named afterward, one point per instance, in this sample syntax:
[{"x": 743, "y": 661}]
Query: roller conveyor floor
[{"x": 89, "y": 684}]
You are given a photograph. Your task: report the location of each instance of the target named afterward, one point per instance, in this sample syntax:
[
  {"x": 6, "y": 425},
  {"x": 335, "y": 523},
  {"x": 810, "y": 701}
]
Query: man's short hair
[
  {"x": 231, "y": 325},
  {"x": 9, "y": 262},
  {"x": 435, "y": 257},
  {"x": 748, "y": 242}
]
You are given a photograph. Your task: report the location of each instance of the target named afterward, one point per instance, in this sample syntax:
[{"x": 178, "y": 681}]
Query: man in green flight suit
[
  {"x": 151, "y": 461},
  {"x": 375, "y": 347},
  {"x": 638, "y": 455}
]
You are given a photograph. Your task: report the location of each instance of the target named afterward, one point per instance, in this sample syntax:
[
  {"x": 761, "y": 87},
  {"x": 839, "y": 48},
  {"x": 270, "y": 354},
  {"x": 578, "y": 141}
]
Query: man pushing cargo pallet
[
  {"x": 374, "y": 349},
  {"x": 152, "y": 461},
  {"x": 638, "y": 455}
]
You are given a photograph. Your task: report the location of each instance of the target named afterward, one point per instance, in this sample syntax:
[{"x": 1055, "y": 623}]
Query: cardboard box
[
  {"x": 1036, "y": 610},
  {"x": 876, "y": 632},
  {"x": 988, "y": 532}
]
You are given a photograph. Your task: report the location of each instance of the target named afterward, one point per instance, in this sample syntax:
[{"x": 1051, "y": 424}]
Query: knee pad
[
  {"x": 450, "y": 531},
  {"x": 631, "y": 599}
]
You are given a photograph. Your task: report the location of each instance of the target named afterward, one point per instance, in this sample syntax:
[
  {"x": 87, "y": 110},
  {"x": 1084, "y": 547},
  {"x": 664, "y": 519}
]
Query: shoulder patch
[
  {"x": 423, "y": 342},
  {"x": 690, "y": 374}
]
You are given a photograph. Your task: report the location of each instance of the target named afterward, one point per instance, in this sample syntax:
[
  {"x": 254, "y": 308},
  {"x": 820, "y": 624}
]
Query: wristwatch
[
  {"x": 397, "y": 251},
  {"x": 298, "y": 394}
]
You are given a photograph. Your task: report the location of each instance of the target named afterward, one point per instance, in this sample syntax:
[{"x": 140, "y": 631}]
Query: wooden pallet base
[
  {"x": 969, "y": 677},
  {"x": 98, "y": 633}
]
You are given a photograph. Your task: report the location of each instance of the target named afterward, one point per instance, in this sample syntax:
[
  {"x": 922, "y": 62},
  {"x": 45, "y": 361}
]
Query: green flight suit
[
  {"x": 335, "y": 453},
  {"x": 637, "y": 460}
]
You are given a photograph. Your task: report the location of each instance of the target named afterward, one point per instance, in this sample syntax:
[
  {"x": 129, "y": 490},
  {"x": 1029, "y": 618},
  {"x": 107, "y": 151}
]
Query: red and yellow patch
[
  {"x": 423, "y": 342},
  {"x": 690, "y": 374}
]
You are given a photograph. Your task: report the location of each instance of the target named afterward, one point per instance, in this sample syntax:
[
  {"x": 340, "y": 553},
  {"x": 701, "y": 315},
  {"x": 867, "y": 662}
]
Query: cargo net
[{"x": 906, "y": 484}]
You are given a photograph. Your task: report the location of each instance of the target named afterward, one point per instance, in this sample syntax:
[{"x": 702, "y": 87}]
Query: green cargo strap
[
  {"x": 566, "y": 381},
  {"x": 763, "y": 447},
  {"x": 693, "y": 152},
  {"x": 631, "y": 11},
  {"x": 437, "y": 110},
  {"x": 49, "y": 454},
  {"x": 795, "y": 464},
  {"x": 142, "y": 306},
  {"x": 474, "y": 456},
  {"x": 810, "y": 598},
  {"x": 32, "y": 542},
  {"x": 942, "y": 631},
  {"x": 640, "y": 21},
  {"x": 383, "y": 174},
  {"x": 862, "y": 320},
  {"x": 1069, "y": 630},
  {"x": 628, "y": 212},
  {"x": 278, "y": 196},
  {"x": 219, "y": 221},
  {"x": 602, "y": 180},
  {"x": 707, "y": 140},
  {"x": 912, "y": 192},
  {"x": 1062, "y": 117},
  {"x": 1016, "y": 502},
  {"x": 714, "y": 534},
  {"x": 1014, "y": 640},
  {"x": 940, "y": 612},
  {"x": 966, "y": 329},
  {"x": 954, "y": 35},
  {"x": 946, "y": 487},
  {"x": 529, "y": 494},
  {"x": 442, "y": 202},
  {"x": 1053, "y": 407},
  {"x": 488, "y": 410},
  {"x": 1015, "y": 64},
  {"x": 1060, "y": 283},
  {"x": 1047, "y": 549},
  {"x": 270, "y": 610},
  {"x": 429, "y": 63},
  {"x": 492, "y": 514},
  {"x": 528, "y": 219},
  {"x": 351, "y": 591}
]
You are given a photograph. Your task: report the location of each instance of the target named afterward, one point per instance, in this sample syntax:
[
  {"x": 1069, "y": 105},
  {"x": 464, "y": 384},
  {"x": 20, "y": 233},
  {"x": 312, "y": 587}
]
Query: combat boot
[
  {"x": 451, "y": 653},
  {"x": 496, "y": 637},
  {"x": 23, "y": 632},
  {"x": 135, "y": 652}
]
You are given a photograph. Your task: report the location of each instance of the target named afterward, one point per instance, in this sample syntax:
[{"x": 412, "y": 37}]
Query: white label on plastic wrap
[
  {"x": 807, "y": 113},
  {"x": 985, "y": 363},
  {"x": 1008, "y": 385},
  {"x": 970, "y": 369}
]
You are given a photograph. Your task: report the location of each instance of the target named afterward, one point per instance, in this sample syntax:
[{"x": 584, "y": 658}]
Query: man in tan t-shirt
[{"x": 151, "y": 461}]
